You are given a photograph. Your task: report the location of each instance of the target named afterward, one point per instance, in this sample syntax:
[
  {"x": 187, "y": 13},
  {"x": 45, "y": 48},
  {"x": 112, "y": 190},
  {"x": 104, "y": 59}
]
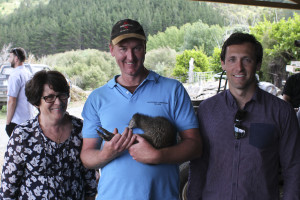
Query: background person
[
  {"x": 42, "y": 160},
  {"x": 247, "y": 133},
  {"x": 291, "y": 92},
  {"x": 128, "y": 170},
  {"x": 19, "y": 109}
]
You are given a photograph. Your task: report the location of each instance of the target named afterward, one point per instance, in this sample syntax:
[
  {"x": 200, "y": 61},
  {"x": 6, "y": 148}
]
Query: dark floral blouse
[{"x": 35, "y": 167}]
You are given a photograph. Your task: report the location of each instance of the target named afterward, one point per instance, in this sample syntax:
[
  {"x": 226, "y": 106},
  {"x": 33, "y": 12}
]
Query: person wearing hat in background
[
  {"x": 19, "y": 109},
  {"x": 130, "y": 167}
]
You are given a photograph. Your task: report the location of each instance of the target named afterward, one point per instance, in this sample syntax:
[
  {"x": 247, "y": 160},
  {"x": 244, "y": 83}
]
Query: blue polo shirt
[{"x": 112, "y": 106}]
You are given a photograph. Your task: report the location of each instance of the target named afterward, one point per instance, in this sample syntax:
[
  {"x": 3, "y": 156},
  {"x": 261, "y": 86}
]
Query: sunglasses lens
[{"x": 239, "y": 130}]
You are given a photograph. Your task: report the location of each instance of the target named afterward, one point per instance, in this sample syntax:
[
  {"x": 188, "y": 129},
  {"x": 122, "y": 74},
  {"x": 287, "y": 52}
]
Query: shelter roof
[{"x": 287, "y": 4}]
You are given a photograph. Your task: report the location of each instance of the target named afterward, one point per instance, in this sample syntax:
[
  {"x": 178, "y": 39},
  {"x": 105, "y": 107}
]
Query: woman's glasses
[
  {"x": 239, "y": 130},
  {"x": 51, "y": 98}
]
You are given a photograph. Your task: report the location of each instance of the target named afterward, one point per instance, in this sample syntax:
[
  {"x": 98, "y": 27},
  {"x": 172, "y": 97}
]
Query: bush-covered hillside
[{"x": 62, "y": 25}]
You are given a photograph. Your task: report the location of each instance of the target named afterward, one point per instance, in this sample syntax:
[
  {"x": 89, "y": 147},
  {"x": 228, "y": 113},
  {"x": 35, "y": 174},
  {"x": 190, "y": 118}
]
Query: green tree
[
  {"x": 87, "y": 69},
  {"x": 70, "y": 35},
  {"x": 87, "y": 24},
  {"x": 172, "y": 38},
  {"x": 43, "y": 42},
  {"x": 278, "y": 40},
  {"x": 161, "y": 60},
  {"x": 202, "y": 35},
  {"x": 181, "y": 69},
  {"x": 215, "y": 61},
  {"x": 188, "y": 36}
]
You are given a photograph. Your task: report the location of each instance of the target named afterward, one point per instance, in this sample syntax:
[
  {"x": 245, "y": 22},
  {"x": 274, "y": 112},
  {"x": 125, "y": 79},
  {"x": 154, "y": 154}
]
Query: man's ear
[
  {"x": 16, "y": 59},
  {"x": 111, "y": 48},
  {"x": 223, "y": 65},
  {"x": 258, "y": 66}
]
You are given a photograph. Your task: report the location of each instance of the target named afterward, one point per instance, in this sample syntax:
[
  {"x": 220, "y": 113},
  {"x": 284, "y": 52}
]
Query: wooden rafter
[{"x": 295, "y": 6}]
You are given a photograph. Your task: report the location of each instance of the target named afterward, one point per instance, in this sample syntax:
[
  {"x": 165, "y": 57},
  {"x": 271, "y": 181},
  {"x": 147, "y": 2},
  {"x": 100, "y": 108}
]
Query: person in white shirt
[{"x": 19, "y": 110}]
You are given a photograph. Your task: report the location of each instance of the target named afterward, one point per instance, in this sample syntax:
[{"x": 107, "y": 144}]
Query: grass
[{"x": 3, "y": 113}]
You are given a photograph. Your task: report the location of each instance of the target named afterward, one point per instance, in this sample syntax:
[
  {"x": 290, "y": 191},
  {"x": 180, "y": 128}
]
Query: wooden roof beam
[{"x": 295, "y": 6}]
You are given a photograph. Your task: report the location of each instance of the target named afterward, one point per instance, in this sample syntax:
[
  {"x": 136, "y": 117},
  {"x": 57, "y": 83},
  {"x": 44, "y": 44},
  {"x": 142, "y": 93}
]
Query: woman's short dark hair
[
  {"x": 35, "y": 87},
  {"x": 241, "y": 38},
  {"x": 19, "y": 52}
]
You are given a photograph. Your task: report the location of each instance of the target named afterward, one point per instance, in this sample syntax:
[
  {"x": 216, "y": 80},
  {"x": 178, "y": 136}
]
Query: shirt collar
[
  {"x": 20, "y": 66},
  {"x": 231, "y": 100},
  {"x": 152, "y": 76}
]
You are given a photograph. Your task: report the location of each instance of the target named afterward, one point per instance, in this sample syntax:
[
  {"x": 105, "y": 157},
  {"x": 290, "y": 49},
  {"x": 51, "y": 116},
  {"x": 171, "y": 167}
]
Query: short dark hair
[
  {"x": 240, "y": 38},
  {"x": 19, "y": 52},
  {"x": 34, "y": 88}
]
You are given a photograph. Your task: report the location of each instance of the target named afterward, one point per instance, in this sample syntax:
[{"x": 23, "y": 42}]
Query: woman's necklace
[
  {"x": 58, "y": 139},
  {"x": 54, "y": 137}
]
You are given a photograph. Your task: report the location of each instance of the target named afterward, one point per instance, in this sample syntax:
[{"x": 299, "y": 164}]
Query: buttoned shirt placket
[{"x": 235, "y": 169}]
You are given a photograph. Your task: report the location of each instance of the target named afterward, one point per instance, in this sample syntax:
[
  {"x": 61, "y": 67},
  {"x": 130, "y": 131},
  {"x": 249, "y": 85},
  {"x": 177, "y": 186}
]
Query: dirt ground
[{"x": 1, "y": 160}]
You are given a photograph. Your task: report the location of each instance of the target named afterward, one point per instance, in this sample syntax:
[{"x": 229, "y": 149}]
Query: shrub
[
  {"x": 181, "y": 69},
  {"x": 161, "y": 60},
  {"x": 88, "y": 69},
  {"x": 215, "y": 61}
]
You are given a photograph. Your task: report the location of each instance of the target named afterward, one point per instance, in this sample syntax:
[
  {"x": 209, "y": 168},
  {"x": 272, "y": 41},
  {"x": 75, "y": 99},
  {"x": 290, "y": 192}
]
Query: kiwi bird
[{"x": 158, "y": 131}]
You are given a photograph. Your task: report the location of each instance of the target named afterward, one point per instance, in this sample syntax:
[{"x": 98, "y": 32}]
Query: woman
[{"x": 42, "y": 158}]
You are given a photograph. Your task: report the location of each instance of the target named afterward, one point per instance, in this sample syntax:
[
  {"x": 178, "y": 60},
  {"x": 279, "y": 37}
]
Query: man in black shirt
[{"x": 291, "y": 92}]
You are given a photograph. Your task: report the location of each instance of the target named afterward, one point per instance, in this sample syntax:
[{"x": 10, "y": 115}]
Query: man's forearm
[
  {"x": 11, "y": 107},
  {"x": 291, "y": 184},
  {"x": 186, "y": 150},
  {"x": 189, "y": 148},
  {"x": 94, "y": 159}
]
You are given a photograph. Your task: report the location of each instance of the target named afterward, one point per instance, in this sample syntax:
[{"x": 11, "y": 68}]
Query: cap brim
[{"x": 125, "y": 36}]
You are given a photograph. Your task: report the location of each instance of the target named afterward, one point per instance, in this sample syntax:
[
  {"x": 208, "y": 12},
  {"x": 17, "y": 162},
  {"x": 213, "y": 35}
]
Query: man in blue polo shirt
[{"x": 130, "y": 167}]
